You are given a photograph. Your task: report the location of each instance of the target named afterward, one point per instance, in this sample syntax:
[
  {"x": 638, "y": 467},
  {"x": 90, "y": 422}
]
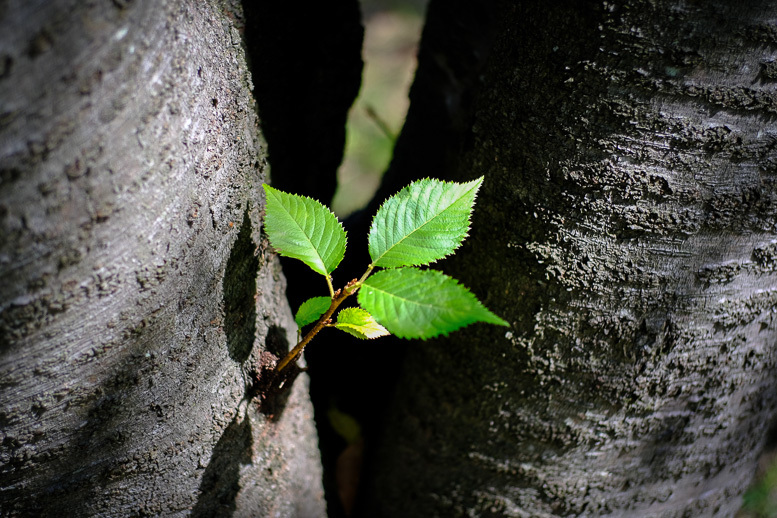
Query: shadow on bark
[
  {"x": 239, "y": 286},
  {"x": 78, "y": 467},
  {"x": 273, "y": 389},
  {"x": 221, "y": 480}
]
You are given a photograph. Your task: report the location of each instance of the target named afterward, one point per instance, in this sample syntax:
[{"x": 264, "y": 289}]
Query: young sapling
[{"x": 422, "y": 223}]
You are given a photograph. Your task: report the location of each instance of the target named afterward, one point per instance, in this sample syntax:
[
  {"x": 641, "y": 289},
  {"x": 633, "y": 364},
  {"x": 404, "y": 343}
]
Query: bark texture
[
  {"x": 139, "y": 300},
  {"x": 627, "y": 230}
]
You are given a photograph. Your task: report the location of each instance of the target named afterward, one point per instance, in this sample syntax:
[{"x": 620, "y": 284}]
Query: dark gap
[
  {"x": 306, "y": 67},
  {"x": 455, "y": 44}
]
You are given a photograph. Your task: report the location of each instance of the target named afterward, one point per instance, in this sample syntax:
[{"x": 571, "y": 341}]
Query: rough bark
[
  {"x": 138, "y": 298},
  {"x": 626, "y": 229}
]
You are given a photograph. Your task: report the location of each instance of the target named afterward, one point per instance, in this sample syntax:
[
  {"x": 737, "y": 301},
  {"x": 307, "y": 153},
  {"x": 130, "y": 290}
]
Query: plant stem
[
  {"x": 366, "y": 274},
  {"x": 329, "y": 285},
  {"x": 372, "y": 114},
  {"x": 338, "y": 297},
  {"x": 313, "y": 332}
]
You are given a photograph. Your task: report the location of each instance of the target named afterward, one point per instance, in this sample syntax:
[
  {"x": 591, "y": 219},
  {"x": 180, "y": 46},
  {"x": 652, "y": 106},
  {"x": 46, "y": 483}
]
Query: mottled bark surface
[
  {"x": 138, "y": 296},
  {"x": 626, "y": 228}
]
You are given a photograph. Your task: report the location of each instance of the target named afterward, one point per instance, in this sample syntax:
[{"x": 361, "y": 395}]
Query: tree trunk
[
  {"x": 135, "y": 279},
  {"x": 626, "y": 228}
]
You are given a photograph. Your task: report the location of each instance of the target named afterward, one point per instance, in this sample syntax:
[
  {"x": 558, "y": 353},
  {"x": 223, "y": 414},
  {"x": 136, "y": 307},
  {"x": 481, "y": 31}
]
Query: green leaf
[
  {"x": 424, "y": 222},
  {"x": 359, "y": 323},
  {"x": 304, "y": 229},
  {"x": 413, "y": 303},
  {"x": 311, "y": 310},
  {"x": 345, "y": 425}
]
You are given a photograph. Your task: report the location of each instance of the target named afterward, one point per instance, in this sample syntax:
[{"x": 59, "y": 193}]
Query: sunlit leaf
[
  {"x": 359, "y": 323},
  {"x": 424, "y": 222},
  {"x": 413, "y": 303},
  {"x": 304, "y": 229}
]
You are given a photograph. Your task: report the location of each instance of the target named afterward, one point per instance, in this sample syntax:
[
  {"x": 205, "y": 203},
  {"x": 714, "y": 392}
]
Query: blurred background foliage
[
  {"x": 760, "y": 501},
  {"x": 392, "y": 29}
]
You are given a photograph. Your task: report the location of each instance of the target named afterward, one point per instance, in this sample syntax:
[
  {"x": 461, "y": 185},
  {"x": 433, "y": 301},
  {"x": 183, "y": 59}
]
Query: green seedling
[{"x": 422, "y": 223}]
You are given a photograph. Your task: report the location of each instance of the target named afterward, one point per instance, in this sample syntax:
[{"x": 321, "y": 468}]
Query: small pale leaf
[
  {"x": 311, "y": 310},
  {"x": 302, "y": 228},
  {"x": 424, "y": 222},
  {"x": 344, "y": 424},
  {"x": 413, "y": 303},
  {"x": 359, "y": 323}
]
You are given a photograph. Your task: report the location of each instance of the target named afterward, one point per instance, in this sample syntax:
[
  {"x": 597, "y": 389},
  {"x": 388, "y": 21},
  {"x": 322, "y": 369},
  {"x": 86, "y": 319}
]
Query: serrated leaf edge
[
  {"x": 501, "y": 321},
  {"x": 355, "y": 327},
  {"x": 466, "y": 232},
  {"x": 327, "y": 209}
]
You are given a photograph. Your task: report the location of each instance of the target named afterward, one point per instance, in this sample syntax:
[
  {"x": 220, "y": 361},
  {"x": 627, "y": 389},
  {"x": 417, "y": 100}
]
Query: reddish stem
[{"x": 338, "y": 298}]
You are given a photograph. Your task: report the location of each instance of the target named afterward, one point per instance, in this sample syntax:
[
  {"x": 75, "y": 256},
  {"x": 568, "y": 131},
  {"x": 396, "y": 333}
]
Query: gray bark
[
  {"x": 138, "y": 298},
  {"x": 626, "y": 228}
]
